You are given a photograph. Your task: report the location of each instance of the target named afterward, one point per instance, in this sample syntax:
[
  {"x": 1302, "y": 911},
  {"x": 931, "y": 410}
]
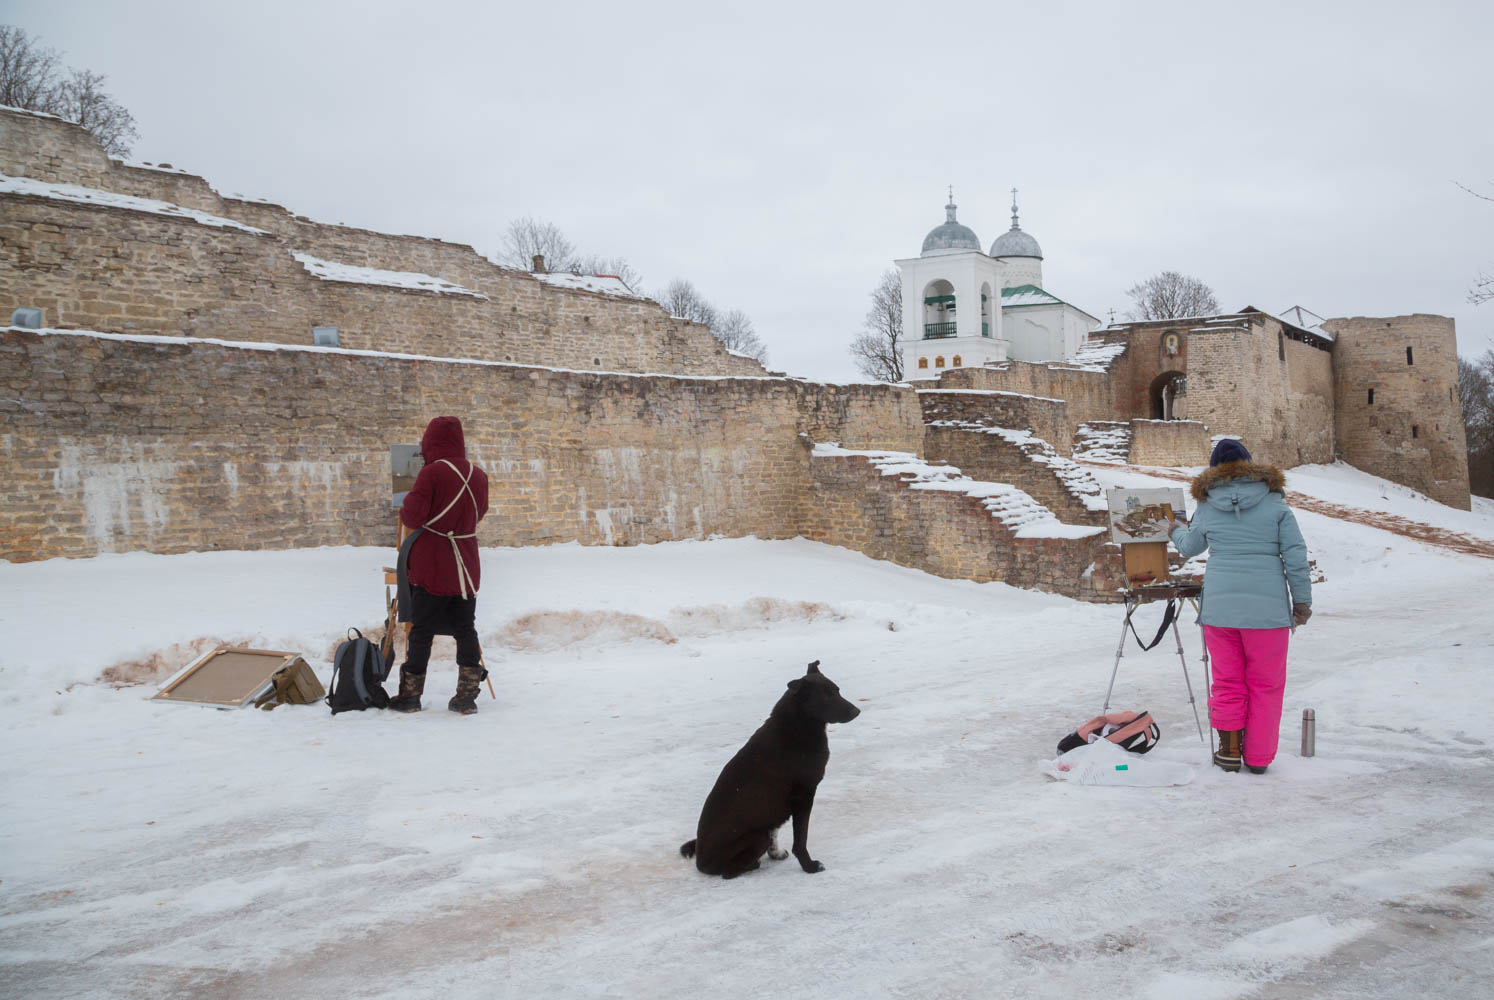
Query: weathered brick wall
[
  {"x": 101, "y": 268},
  {"x": 50, "y": 149},
  {"x": 1046, "y": 418},
  {"x": 993, "y": 458},
  {"x": 948, "y": 534},
  {"x": 1169, "y": 442},
  {"x": 1240, "y": 382},
  {"x": 1087, "y": 393},
  {"x": 1370, "y": 353},
  {"x": 114, "y": 444}
]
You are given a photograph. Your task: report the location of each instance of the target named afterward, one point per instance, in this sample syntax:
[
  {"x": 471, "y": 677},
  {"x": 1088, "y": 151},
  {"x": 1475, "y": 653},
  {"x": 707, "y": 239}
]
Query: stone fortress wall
[
  {"x": 116, "y": 444},
  {"x": 1411, "y": 429},
  {"x": 226, "y": 269},
  {"x": 119, "y": 443}
]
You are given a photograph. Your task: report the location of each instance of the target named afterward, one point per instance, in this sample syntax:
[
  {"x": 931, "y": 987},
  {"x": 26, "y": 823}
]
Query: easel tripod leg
[
  {"x": 1187, "y": 680},
  {"x": 1120, "y": 650}
]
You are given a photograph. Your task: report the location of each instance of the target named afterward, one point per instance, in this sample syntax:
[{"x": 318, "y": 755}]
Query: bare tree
[
  {"x": 682, "y": 300},
  {"x": 877, "y": 350},
  {"x": 28, "y": 80},
  {"x": 28, "y": 72},
  {"x": 733, "y": 328},
  {"x": 1483, "y": 289},
  {"x": 81, "y": 98},
  {"x": 1170, "y": 294},
  {"x": 735, "y": 331},
  {"x": 1476, "y": 396},
  {"x": 528, "y": 238}
]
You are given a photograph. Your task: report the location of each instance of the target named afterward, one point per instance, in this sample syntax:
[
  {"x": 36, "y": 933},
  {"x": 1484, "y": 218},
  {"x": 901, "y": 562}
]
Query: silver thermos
[{"x": 1309, "y": 732}]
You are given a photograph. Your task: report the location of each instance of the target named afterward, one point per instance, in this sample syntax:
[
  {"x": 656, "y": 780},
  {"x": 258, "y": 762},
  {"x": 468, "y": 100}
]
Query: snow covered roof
[
  {"x": 1027, "y": 295},
  {"x": 605, "y": 284},
  {"x": 328, "y": 270},
  {"x": 108, "y": 199}
]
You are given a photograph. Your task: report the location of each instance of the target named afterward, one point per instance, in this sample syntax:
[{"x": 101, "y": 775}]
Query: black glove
[{"x": 1300, "y": 613}]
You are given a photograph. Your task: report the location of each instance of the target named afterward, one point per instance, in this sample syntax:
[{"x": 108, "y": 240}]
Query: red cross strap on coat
[{"x": 448, "y": 498}]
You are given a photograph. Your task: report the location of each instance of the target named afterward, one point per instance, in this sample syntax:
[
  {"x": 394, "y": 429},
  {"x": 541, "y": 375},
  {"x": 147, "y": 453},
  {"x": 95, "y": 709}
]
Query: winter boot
[
  {"x": 1228, "y": 754},
  {"x": 1254, "y": 769},
  {"x": 469, "y": 680},
  {"x": 411, "y": 686}
]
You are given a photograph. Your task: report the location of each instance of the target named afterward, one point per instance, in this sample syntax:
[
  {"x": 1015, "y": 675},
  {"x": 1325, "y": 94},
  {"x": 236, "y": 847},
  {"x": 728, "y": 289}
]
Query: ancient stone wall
[
  {"x": 949, "y": 534},
  {"x": 994, "y": 457},
  {"x": 1169, "y": 442},
  {"x": 1087, "y": 392},
  {"x": 1046, "y": 418},
  {"x": 116, "y": 444},
  {"x": 1241, "y": 382},
  {"x": 121, "y": 269},
  {"x": 1412, "y": 431}
]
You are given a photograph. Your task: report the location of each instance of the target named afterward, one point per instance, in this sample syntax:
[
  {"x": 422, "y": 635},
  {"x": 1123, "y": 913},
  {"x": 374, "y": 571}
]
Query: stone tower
[{"x": 1396, "y": 410}]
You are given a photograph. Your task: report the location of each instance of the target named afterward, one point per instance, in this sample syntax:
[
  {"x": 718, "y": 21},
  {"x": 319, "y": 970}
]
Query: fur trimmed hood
[{"x": 1225, "y": 471}]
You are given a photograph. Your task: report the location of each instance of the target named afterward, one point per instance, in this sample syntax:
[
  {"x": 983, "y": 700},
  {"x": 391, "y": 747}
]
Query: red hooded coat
[{"x": 432, "y": 562}]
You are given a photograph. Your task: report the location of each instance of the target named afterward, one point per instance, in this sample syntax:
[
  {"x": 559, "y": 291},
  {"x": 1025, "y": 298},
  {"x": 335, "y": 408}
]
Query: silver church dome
[
  {"x": 1014, "y": 242},
  {"x": 951, "y": 235}
]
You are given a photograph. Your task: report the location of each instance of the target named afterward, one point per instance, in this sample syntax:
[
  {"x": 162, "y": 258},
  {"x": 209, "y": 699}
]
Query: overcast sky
[{"x": 781, "y": 156}]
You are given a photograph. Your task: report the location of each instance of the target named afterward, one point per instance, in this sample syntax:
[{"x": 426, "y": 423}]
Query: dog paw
[
  {"x": 778, "y": 855},
  {"x": 811, "y": 867}
]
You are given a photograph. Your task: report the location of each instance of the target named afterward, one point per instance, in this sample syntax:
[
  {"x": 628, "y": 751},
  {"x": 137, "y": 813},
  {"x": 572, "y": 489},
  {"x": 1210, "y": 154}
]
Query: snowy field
[{"x": 151, "y": 850}]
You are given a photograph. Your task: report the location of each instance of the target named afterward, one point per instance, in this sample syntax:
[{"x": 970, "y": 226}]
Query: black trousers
[{"x": 439, "y": 614}]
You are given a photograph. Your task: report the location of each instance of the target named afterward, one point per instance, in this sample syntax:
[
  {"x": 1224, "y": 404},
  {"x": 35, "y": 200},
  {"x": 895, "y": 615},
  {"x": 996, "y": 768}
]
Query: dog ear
[
  {"x": 814, "y": 667},
  {"x": 795, "y": 684}
]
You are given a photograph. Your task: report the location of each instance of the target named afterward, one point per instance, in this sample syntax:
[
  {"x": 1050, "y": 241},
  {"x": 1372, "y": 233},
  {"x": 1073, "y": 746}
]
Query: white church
[{"x": 1015, "y": 319}]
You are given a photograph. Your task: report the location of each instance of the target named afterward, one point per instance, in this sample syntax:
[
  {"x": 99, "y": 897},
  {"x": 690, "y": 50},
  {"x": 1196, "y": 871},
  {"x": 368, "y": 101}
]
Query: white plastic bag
[{"x": 1105, "y": 763}]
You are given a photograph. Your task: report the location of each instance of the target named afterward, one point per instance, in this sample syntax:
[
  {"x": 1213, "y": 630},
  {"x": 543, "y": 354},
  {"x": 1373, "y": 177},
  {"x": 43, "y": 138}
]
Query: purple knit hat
[{"x": 1228, "y": 450}]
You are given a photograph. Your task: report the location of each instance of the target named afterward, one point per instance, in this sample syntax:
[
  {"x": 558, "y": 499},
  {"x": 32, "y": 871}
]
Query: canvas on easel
[{"x": 1139, "y": 519}]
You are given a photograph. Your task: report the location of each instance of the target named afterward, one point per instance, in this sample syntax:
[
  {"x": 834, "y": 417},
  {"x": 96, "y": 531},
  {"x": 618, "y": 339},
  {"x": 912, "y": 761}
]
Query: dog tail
[{"x": 687, "y": 849}]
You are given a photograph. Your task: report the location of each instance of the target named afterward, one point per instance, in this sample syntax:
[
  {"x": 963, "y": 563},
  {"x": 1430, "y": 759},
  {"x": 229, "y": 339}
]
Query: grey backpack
[{"x": 358, "y": 672}]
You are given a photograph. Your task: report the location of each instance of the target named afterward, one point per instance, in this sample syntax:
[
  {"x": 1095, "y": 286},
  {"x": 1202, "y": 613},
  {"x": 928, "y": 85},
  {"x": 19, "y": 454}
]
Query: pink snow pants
[{"x": 1249, "y": 681}]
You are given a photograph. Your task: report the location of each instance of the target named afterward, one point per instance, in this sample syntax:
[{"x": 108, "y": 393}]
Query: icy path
[{"x": 150, "y": 850}]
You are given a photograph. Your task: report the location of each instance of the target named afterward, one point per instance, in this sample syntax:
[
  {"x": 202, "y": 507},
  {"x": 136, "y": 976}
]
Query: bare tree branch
[
  {"x": 81, "y": 98},
  {"x": 877, "y": 350},
  {"x": 736, "y": 332},
  {"x": 1170, "y": 294},
  {"x": 28, "y": 79},
  {"x": 528, "y": 238}
]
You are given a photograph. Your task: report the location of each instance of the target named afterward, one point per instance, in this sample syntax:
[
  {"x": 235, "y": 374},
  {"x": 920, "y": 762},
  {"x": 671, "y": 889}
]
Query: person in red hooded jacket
[{"x": 448, "y": 499}]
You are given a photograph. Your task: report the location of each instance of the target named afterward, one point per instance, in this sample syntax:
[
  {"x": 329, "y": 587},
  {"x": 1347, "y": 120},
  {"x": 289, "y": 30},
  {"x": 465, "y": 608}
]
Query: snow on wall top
[
  {"x": 164, "y": 168},
  {"x": 1077, "y": 480},
  {"x": 1103, "y": 441},
  {"x": 265, "y": 345},
  {"x": 1014, "y": 508},
  {"x": 35, "y": 114},
  {"x": 108, "y": 199},
  {"x": 328, "y": 270},
  {"x": 605, "y": 284},
  {"x": 1097, "y": 356}
]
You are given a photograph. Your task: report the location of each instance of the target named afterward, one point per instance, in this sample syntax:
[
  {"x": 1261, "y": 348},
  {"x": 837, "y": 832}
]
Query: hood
[
  {"x": 442, "y": 439},
  {"x": 1238, "y": 485}
]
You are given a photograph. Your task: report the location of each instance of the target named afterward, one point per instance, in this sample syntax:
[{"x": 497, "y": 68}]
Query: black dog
[{"x": 771, "y": 779}]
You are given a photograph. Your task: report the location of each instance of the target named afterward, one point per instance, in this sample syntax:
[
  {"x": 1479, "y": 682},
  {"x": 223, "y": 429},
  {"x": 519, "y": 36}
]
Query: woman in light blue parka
[{"x": 1255, "y": 591}]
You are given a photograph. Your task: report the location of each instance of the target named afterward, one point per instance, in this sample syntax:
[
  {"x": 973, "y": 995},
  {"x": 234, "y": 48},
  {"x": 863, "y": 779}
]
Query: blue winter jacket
[{"x": 1257, "y": 566}]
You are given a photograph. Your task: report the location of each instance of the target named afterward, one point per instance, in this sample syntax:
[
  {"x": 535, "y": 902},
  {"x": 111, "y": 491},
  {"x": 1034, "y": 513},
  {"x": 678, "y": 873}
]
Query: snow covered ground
[{"x": 531, "y": 851}]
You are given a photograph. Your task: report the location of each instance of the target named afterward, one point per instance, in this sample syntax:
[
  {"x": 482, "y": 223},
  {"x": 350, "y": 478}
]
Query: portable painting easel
[{"x": 1135, "y": 520}]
